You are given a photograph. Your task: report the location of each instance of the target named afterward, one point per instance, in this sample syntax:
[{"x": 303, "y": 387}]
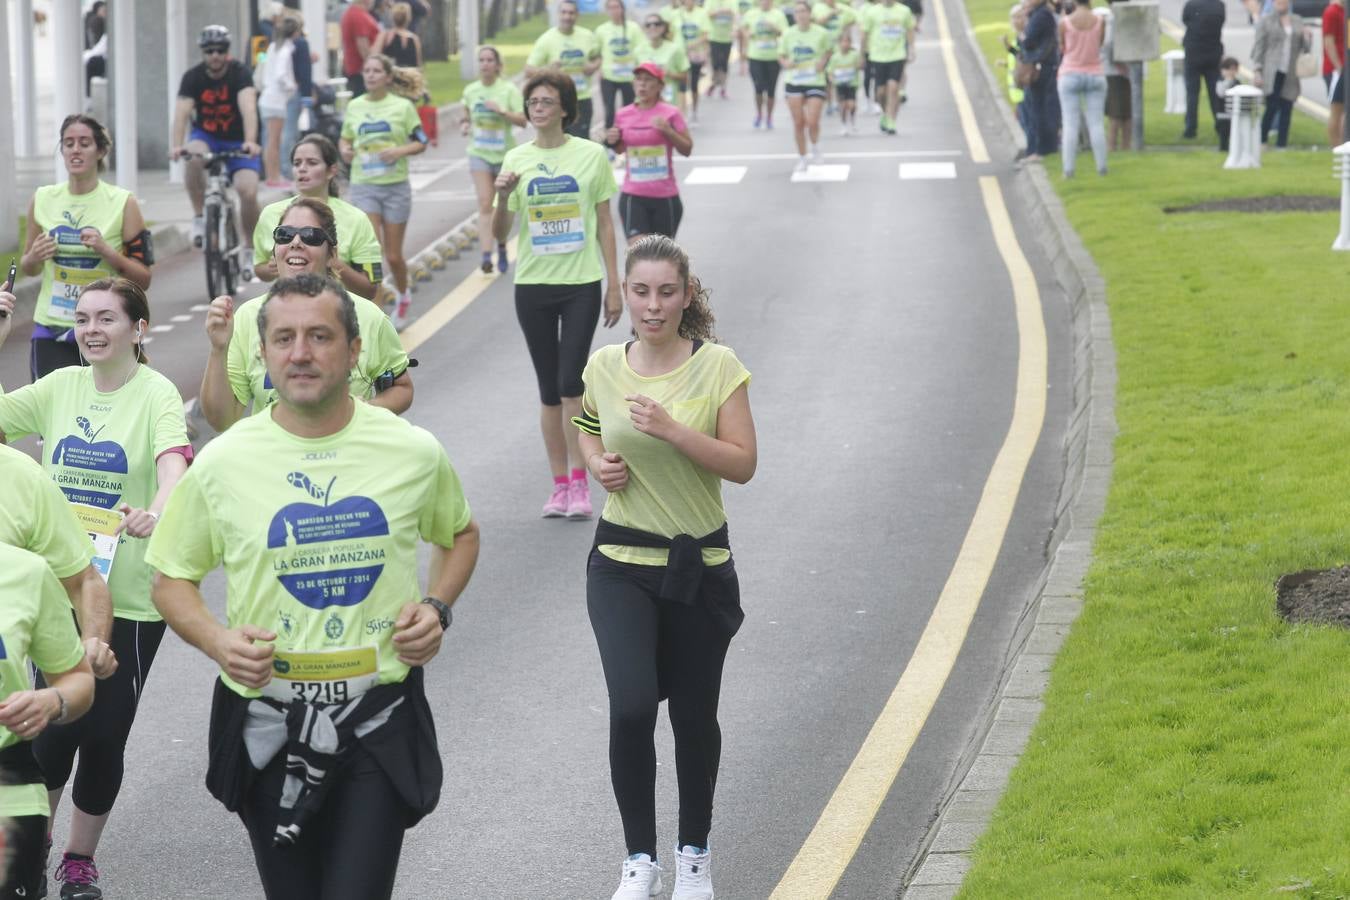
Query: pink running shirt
[{"x": 650, "y": 172}]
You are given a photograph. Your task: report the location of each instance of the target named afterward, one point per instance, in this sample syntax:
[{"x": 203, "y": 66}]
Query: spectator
[
  {"x": 359, "y": 32},
  {"x": 1119, "y": 103},
  {"x": 1082, "y": 83},
  {"x": 1017, "y": 19},
  {"x": 1228, "y": 72},
  {"x": 95, "y": 44},
  {"x": 278, "y": 87},
  {"x": 1280, "y": 37},
  {"x": 1203, "y": 45},
  {"x": 1040, "y": 47},
  {"x": 1333, "y": 58},
  {"x": 302, "y": 68},
  {"x": 399, "y": 43}
]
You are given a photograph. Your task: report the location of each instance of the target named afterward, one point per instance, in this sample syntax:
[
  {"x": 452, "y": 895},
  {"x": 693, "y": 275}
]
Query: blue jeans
[
  {"x": 1042, "y": 104},
  {"x": 290, "y": 133},
  {"x": 1080, "y": 91}
]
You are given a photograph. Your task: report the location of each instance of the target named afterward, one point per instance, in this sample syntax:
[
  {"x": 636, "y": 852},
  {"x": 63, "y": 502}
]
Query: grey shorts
[
  {"x": 391, "y": 202},
  {"x": 478, "y": 164}
]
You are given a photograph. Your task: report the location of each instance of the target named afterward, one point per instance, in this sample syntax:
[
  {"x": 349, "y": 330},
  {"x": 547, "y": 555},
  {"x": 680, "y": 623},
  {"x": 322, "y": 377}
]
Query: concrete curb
[{"x": 940, "y": 868}]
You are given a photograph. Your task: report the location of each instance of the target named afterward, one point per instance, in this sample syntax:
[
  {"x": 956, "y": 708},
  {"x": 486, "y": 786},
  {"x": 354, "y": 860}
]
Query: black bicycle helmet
[{"x": 214, "y": 36}]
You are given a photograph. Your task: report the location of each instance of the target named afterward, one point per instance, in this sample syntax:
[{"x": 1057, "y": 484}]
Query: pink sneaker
[
  {"x": 579, "y": 499},
  {"x": 559, "y": 503}
]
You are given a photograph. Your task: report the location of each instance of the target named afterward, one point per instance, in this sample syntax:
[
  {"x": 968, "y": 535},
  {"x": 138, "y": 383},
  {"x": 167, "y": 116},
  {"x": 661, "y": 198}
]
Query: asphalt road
[{"x": 876, "y": 318}]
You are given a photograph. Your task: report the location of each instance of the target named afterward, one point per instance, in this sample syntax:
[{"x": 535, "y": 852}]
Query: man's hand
[
  {"x": 244, "y": 655},
  {"x": 101, "y": 658},
  {"x": 417, "y": 634},
  {"x": 250, "y": 149}
]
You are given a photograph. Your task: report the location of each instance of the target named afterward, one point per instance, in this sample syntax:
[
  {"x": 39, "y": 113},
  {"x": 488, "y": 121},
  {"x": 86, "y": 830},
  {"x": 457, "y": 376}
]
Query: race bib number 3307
[{"x": 557, "y": 228}]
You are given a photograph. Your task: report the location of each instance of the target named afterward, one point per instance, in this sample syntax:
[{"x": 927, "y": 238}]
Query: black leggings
[
  {"x": 867, "y": 78},
  {"x": 350, "y": 852},
  {"x": 764, "y": 74},
  {"x": 695, "y": 73},
  {"x": 1278, "y": 114},
  {"x": 25, "y": 858},
  {"x": 650, "y": 215},
  {"x": 100, "y": 735},
  {"x": 46, "y": 355},
  {"x": 558, "y": 321},
  {"x": 582, "y": 126},
  {"x": 720, "y": 54},
  {"x": 608, "y": 89},
  {"x": 653, "y": 649}
]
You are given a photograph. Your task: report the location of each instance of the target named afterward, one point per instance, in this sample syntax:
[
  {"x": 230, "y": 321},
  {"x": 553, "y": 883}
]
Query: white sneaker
[
  {"x": 400, "y": 314},
  {"x": 693, "y": 875},
  {"x": 641, "y": 878},
  {"x": 843, "y": 131},
  {"x": 817, "y": 156},
  {"x": 801, "y": 165},
  {"x": 198, "y": 231}
]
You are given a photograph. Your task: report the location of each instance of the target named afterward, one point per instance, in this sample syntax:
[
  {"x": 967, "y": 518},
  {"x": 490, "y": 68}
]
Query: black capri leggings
[
  {"x": 695, "y": 73},
  {"x": 558, "y": 321},
  {"x": 608, "y": 90},
  {"x": 764, "y": 74},
  {"x": 720, "y": 54},
  {"x": 650, "y": 215},
  {"x": 101, "y": 734},
  {"x": 651, "y": 650},
  {"x": 582, "y": 126},
  {"x": 25, "y": 856}
]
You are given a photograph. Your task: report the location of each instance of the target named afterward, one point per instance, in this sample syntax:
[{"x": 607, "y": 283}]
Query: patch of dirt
[
  {"x": 1315, "y": 595},
  {"x": 1289, "y": 203}
]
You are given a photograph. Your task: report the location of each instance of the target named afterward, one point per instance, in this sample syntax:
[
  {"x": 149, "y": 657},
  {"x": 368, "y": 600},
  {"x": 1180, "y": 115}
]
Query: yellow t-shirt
[{"x": 667, "y": 493}]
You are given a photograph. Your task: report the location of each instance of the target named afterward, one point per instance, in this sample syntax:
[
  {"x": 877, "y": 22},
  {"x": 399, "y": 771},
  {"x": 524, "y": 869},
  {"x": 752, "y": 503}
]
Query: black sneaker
[{"x": 79, "y": 878}]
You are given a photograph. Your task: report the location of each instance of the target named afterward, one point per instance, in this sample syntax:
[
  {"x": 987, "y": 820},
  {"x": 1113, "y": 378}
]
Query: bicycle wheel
[
  {"x": 214, "y": 252},
  {"x": 229, "y": 241}
]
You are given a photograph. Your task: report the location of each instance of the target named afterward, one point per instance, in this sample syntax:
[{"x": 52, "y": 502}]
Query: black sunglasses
[
  {"x": 221, "y": 49},
  {"x": 653, "y": 24},
  {"x": 311, "y": 235}
]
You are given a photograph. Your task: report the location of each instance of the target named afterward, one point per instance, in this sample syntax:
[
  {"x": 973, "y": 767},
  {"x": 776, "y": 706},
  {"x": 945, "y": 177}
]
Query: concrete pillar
[
  {"x": 176, "y": 63},
  {"x": 316, "y": 29},
  {"x": 9, "y": 199},
  {"x": 468, "y": 39},
  {"x": 25, "y": 93},
  {"x": 123, "y": 59},
  {"x": 67, "y": 32}
]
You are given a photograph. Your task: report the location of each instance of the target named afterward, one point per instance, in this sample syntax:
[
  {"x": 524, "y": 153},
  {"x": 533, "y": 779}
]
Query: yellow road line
[
  {"x": 964, "y": 111},
  {"x": 451, "y": 305}
]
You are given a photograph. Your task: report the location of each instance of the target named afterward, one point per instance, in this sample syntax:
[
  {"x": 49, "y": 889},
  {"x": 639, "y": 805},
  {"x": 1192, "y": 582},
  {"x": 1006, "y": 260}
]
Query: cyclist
[
  {"x": 36, "y": 630},
  {"x": 115, "y": 442},
  {"x": 305, "y": 241},
  {"x": 492, "y": 106},
  {"x": 668, "y": 54},
  {"x": 573, "y": 51},
  {"x": 319, "y": 470},
  {"x": 888, "y": 42},
  {"x": 805, "y": 51},
  {"x": 79, "y": 232},
  {"x": 380, "y": 131},
  {"x": 561, "y": 185},
  {"x": 218, "y": 96},
  {"x": 646, "y": 132},
  {"x": 314, "y": 164},
  {"x": 619, "y": 39},
  {"x": 693, "y": 27},
  {"x": 666, "y": 420},
  {"x": 762, "y": 27},
  {"x": 722, "y": 27}
]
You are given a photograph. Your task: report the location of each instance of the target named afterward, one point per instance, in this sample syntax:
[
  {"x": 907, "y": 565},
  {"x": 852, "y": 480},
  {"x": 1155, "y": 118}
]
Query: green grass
[
  {"x": 1193, "y": 744},
  {"x": 990, "y": 19},
  {"x": 444, "y": 81}
]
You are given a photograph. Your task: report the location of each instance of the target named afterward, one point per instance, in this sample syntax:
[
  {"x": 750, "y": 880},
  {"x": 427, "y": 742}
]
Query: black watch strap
[{"x": 442, "y": 611}]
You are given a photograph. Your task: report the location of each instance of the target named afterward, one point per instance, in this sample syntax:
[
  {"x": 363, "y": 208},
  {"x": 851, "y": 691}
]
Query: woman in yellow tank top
[{"x": 79, "y": 232}]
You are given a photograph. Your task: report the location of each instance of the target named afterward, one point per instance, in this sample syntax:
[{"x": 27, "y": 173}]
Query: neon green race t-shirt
[
  {"x": 667, "y": 492},
  {"x": 692, "y": 26},
  {"x": 672, "y": 58},
  {"x": 833, "y": 19},
  {"x": 721, "y": 20},
  {"x": 555, "y": 199},
  {"x": 804, "y": 50},
  {"x": 62, "y": 215},
  {"x": 101, "y": 449},
  {"x": 375, "y": 125},
  {"x": 358, "y": 246},
  {"x": 764, "y": 28},
  {"x": 887, "y": 29},
  {"x": 36, "y": 517},
  {"x": 381, "y": 351},
  {"x": 617, "y": 46},
  {"x": 318, "y": 536},
  {"x": 36, "y": 626},
  {"x": 844, "y": 67},
  {"x": 490, "y": 134},
  {"x": 570, "y": 52}
]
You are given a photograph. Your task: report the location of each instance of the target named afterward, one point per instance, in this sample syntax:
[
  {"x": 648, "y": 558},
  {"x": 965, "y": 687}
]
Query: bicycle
[{"x": 220, "y": 236}]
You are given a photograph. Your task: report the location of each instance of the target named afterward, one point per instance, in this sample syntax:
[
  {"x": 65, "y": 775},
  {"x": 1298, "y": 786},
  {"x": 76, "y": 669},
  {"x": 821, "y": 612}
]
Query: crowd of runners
[{"x": 318, "y": 718}]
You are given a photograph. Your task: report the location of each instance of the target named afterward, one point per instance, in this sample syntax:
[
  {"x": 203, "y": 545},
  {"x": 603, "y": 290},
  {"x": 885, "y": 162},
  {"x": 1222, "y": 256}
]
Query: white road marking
[
  {"x": 419, "y": 180},
  {"x": 160, "y": 329},
  {"x": 822, "y": 173},
  {"x": 911, "y": 171},
  {"x": 180, "y": 318},
  {"x": 200, "y": 307},
  {"x": 716, "y": 175},
  {"x": 856, "y": 154}
]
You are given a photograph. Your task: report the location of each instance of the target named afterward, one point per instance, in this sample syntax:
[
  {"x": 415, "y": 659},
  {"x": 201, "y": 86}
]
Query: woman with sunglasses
[
  {"x": 668, "y": 54},
  {"x": 116, "y": 443},
  {"x": 314, "y": 165},
  {"x": 235, "y": 376},
  {"x": 646, "y": 132},
  {"x": 492, "y": 106},
  {"x": 804, "y": 51},
  {"x": 79, "y": 231},
  {"x": 560, "y": 185}
]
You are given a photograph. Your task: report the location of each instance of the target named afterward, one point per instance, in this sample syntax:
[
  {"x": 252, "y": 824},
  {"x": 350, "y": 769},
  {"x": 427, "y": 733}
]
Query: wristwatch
[{"x": 442, "y": 611}]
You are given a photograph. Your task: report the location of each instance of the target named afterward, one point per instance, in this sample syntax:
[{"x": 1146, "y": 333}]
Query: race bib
[
  {"x": 323, "y": 676},
  {"x": 892, "y": 32},
  {"x": 485, "y": 138},
  {"x": 845, "y": 76},
  {"x": 579, "y": 79},
  {"x": 668, "y": 93},
  {"x": 803, "y": 73},
  {"x": 371, "y": 164},
  {"x": 67, "y": 282},
  {"x": 623, "y": 70},
  {"x": 647, "y": 164},
  {"x": 101, "y": 525},
  {"x": 557, "y": 228},
  {"x": 766, "y": 44}
]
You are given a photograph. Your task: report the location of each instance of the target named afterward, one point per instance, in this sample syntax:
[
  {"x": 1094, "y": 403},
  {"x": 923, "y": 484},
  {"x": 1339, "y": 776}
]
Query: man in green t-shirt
[
  {"x": 325, "y": 637},
  {"x": 575, "y": 52},
  {"x": 888, "y": 43}
]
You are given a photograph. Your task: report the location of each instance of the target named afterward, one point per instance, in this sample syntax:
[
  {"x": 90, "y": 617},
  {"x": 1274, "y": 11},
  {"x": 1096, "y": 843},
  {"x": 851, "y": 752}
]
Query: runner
[
  {"x": 742, "y": 7},
  {"x": 667, "y": 418},
  {"x": 845, "y": 73},
  {"x": 314, "y": 163},
  {"x": 667, "y": 53},
  {"x": 646, "y": 132},
  {"x": 804, "y": 52},
  {"x": 36, "y": 630},
  {"x": 79, "y": 232},
  {"x": 573, "y": 51},
  {"x": 888, "y": 41},
  {"x": 870, "y": 106},
  {"x": 333, "y": 495},
  {"x": 762, "y": 28},
  {"x": 218, "y": 96},
  {"x": 380, "y": 131},
  {"x": 694, "y": 28},
  {"x": 306, "y": 241},
  {"x": 492, "y": 105},
  {"x": 721, "y": 32},
  {"x": 837, "y": 19},
  {"x": 562, "y": 186},
  {"x": 619, "y": 39},
  {"x": 916, "y": 7},
  {"x": 115, "y": 442}
]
